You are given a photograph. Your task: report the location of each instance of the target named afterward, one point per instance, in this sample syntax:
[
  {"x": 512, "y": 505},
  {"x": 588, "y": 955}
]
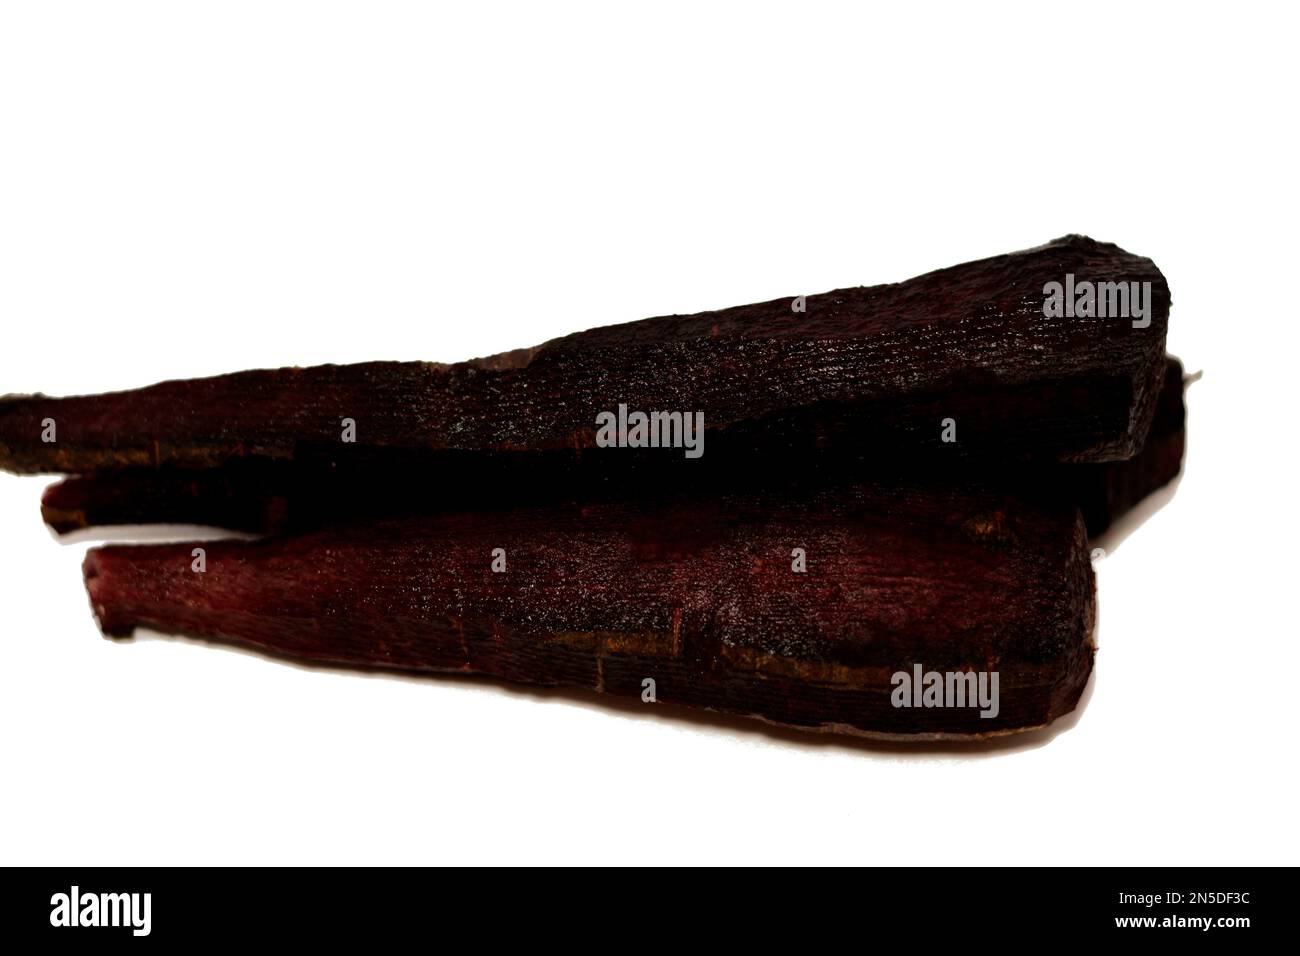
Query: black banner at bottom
[{"x": 136, "y": 907}]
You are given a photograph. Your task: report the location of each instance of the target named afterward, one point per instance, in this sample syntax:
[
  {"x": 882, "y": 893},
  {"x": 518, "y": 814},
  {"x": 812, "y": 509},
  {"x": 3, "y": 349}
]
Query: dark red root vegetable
[
  {"x": 871, "y": 370},
  {"x": 278, "y": 497},
  {"x": 1107, "y": 492},
  {"x": 699, "y": 597},
  {"x": 233, "y": 497}
]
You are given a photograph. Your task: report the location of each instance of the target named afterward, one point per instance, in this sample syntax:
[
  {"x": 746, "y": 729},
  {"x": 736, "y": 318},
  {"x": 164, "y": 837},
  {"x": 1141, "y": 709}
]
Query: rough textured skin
[
  {"x": 698, "y": 596},
  {"x": 283, "y": 497},
  {"x": 873, "y": 369}
]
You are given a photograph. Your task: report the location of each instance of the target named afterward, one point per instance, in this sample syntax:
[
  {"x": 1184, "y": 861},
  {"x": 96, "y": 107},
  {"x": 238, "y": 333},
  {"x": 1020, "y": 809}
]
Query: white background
[{"x": 189, "y": 189}]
